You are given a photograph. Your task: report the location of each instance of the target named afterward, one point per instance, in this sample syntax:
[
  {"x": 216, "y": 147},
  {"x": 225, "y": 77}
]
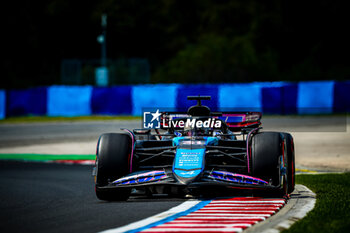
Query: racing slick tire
[
  {"x": 291, "y": 161},
  {"x": 112, "y": 162},
  {"x": 265, "y": 157}
]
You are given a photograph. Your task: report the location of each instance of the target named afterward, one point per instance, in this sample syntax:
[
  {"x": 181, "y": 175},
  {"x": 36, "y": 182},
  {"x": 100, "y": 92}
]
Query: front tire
[
  {"x": 112, "y": 162},
  {"x": 291, "y": 161},
  {"x": 266, "y": 159}
]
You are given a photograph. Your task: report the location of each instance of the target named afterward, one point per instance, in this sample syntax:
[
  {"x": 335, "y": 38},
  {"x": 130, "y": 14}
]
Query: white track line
[
  {"x": 241, "y": 207},
  {"x": 250, "y": 202},
  {"x": 223, "y": 217},
  {"x": 142, "y": 223},
  {"x": 205, "y": 225},
  {"x": 236, "y": 211},
  {"x": 233, "y": 215},
  {"x": 230, "y": 215},
  {"x": 193, "y": 230},
  {"x": 215, "y": 221}
]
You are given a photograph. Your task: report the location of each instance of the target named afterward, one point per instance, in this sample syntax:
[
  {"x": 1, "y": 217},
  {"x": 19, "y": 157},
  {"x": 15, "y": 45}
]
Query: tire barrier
[
  {"x": 316, "y": 97},
  {"x": 69, "y": 100},
  {"x": 151, "y": 96},
  {"x": 2, "y": 104},
  {"x": 111, "y": 100},
  {"x": 30, "y": 101}
]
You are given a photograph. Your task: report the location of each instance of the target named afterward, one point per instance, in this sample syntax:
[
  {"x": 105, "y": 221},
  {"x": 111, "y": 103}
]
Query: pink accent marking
[
  {"x": 138, "y": 176},
  {"x": 240, "y": 175},
  {"x": 251, "y": 177},
  {"x": 235, "y": 115}
]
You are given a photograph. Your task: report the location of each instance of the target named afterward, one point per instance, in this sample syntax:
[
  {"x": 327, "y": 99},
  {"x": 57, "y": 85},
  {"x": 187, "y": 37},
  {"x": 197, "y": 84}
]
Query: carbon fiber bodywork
[
  {"x": 218, "y": 161},
  {"x": 219, "y": 153}
]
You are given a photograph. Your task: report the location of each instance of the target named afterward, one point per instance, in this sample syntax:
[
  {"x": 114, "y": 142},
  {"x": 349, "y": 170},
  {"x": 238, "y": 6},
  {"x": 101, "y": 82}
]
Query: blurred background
[
  {"x": 168, "y": 41},
  {"x": 72, "y": 70},
  {"x": 54, "y": 44}
]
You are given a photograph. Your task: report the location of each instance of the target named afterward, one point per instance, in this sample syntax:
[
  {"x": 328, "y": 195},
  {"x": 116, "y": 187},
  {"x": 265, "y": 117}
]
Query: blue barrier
[
  {"x": 341, "y": 101},
  {"x": 240, "y": 97},
  {"x": 111, "y": 101},
  {"x": 183, "y": 91},
  {"x": 290, "y": 96},
  {"x": 315, "y": 97},
  {"x": 69, "y": 100},
  {"x": 26, "y": 102},
  {"x": 272, "y": 100},
  {"x": 153, "y": 96},
  {"x": 276, "y": 97},
  {"x": 280, "y": 99},
  {"x": 2, "y": 104}
]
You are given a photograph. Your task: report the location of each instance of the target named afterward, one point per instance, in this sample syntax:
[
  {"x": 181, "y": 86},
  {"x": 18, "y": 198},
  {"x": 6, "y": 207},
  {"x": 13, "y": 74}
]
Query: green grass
[
  {"x": 332, "y": 209},
  {"x": 35, "y": 119},
  {"x": 45, "y": 157},
  {"x": 331, "y": 212}
]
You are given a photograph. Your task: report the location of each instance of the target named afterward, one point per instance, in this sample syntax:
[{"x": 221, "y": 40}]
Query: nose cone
[{"x": 188, "y": 164}]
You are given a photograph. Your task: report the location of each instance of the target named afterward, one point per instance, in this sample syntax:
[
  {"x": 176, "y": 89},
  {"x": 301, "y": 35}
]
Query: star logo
[
  {"x": 156, "y": 115},
  {"x": 151, "y": 120}
]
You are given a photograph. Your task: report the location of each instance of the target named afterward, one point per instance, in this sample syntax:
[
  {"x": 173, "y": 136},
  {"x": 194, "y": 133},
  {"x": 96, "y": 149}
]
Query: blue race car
[{"x": 193, "y": 152}]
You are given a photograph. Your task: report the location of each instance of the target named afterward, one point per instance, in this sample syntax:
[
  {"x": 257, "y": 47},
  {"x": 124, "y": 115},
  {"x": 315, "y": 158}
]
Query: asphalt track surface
[
  {"x": 13, "y": 135},
  {"x": 42, "y": 197},
  {"x": 40, "y": 133}
]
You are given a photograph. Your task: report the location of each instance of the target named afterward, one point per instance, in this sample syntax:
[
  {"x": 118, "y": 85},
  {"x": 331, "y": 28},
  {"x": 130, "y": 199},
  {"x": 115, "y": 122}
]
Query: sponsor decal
[
  {"x": 192, "y": 123},
  {"x": 188, "y": 163},
  {"x": 190, "y": 173},
  {"x": 153, "y": 120}
]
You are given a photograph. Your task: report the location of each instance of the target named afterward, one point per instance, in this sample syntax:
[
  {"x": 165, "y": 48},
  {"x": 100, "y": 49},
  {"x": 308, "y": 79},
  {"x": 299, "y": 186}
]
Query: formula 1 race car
[{"x": 193, "y": 152}]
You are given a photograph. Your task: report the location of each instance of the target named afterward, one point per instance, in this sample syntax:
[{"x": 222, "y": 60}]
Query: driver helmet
[{"x": 188, "y": 131}]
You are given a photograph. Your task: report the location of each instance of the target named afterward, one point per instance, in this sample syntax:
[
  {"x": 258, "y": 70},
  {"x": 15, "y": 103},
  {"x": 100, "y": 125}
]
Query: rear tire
[
  {"x": 112, "y": 162},
  {"x": 266, "y": 152}
]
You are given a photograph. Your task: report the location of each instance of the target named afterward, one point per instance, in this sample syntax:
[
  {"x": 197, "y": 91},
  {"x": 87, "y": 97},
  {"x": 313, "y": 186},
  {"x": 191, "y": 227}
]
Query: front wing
[{"x": 208, "y": 178}]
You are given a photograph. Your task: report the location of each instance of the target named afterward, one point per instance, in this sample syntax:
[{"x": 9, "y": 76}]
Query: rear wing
[
  {"x": 238, "y": 120},
  {"x": 235, "y": 121}
]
